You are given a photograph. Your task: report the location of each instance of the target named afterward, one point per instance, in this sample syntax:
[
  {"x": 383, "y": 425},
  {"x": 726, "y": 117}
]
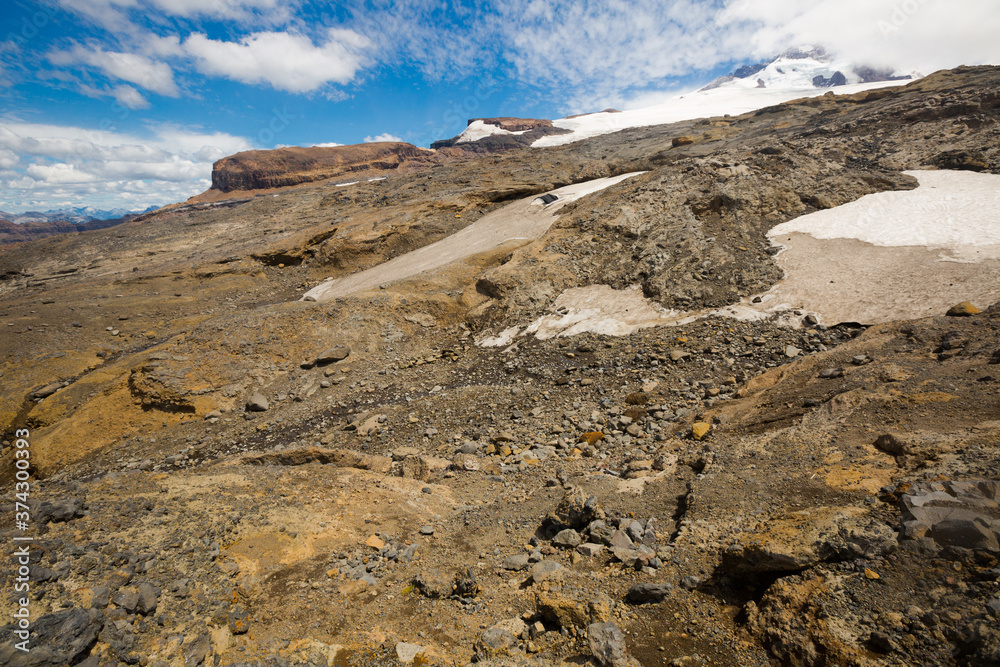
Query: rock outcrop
[{"x": 282, "y": 167}]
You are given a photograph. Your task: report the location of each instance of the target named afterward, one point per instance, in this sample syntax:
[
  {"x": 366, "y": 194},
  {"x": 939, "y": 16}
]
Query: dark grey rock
[
  {"x": 197, "y": 649},
  {"x": 101, "y": 597},
  {"x": 547, "y": 570},
  {"x": 649, "y": 592},
  {"x": 993, "y": 606},
  {"x": 517, "y": 562},
  {"x": 496, "y": 641},
  {"x": 127, "y": 600},
  {"x": 600, "y": 532},
  {"x": 57, "y": 639},
  {"x": 607, "y": 644},
  {"x": 567, "y": 539},
  {"x": 149, "y": 598}
]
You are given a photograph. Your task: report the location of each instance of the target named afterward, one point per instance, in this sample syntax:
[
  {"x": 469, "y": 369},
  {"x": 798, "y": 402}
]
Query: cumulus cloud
[
  {"x": 8, "y": 159},
  {"x": 329, "y": 144},
  {"x": 385, "y": 136},
  {"x": 135, "y": 68},
  {"x": 106, "y": 168},
  {"x": 283, "y": 60}
]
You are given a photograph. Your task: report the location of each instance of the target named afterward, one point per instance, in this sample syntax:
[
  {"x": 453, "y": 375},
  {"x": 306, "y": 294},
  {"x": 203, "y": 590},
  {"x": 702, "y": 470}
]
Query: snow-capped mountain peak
[{"x": 804, "y": 68}]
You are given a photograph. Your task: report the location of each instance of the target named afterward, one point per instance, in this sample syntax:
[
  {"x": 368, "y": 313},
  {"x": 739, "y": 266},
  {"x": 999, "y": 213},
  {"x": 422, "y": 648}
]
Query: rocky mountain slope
[{"x": 224, "y": 474}]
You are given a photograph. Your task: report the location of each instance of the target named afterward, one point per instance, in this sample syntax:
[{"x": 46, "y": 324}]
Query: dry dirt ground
[{"x": 223, "y": 474}]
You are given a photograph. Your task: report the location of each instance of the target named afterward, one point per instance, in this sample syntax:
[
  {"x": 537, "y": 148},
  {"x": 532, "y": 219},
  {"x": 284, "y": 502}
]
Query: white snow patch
[
  {"x": 344, "y": 185},
  {"x": 601, "y": 309},
  {"x": 954, "y": 210},
  {"x": 479, "y": 130},
  {"x": 732, "y": 99},
  {"x": 503, "y": 339}
]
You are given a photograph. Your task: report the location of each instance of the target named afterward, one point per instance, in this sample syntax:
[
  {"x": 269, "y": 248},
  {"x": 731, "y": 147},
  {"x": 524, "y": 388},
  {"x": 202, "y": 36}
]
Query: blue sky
[{"x": 126, "y": 103}]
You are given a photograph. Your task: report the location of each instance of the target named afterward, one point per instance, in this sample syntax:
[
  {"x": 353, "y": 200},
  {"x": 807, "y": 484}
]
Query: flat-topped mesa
[
  {"x": 488, "y": 135},
  {"x": 283, "y": 167}
]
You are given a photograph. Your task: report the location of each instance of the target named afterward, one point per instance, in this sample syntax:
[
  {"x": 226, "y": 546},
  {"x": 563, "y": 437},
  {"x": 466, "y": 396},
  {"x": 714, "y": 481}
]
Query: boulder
[
  {"x": 607, "y": 644},
  {"x": 546, "y": 571},
  {"x": 257, "y": 403},
  {"x": 962, "y": 514},
  {"x": 648, "y": 592},
  {"x": 59, "y": 638},
  {"x": 802, "y": 539},
  {"x": 567, "y": 539},
  {"x": 517, "y": 562},
  {"x": 570, "y": 607},
  {"x": 332, "y": 355},
  {"x": 964, "y": 309}
]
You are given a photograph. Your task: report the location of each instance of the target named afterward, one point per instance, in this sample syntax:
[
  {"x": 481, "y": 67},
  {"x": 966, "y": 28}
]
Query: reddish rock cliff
[{"x": 282, "y": 167}]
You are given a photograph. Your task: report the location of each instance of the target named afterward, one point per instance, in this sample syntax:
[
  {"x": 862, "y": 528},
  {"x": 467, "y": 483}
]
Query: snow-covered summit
[
  {"x": 807, "y": 68},
  {"x": 794, "y": 74}
]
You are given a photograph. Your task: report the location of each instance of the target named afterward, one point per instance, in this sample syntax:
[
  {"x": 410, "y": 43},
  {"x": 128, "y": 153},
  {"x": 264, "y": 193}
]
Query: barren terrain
[{"x": 225, "y": 474}]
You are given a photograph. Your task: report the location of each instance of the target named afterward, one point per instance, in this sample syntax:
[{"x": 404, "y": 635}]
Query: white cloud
[
  {"x": 59, "y": 173},
  {"x": 106, "y": 168},
  {"x": 110, "y": 14},
  {"x": 608, "y": 46},
  {"x": 129, "y": 97},
  {"x": 132, "y": 67},
  {"x": 229, "y": 9},
  {"x": 385, "y": 136},
  {"x": 285, "y": 61},
  {"x": 329, "y": 144},
  {"x": 917, "y": 34},
  {"x": 8, "y": 159}
]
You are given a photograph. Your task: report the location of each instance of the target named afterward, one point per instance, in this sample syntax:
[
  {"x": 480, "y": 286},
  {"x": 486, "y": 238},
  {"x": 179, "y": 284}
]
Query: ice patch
[
  {"x": 954, "y": 210},
  {"x": 344, "y": 185},
  {"x": 604, "y": 310},
  {"x": 503, "y": 339}
]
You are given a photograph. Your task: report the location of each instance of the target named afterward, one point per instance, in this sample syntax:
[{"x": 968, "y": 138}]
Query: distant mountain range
[
  {"x": 31, "y": 225},
  {"x": 74, "y": 215}
]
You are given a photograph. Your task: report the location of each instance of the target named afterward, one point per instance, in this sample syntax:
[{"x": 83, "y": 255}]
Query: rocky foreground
[{"x": 225, "y": 475}]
